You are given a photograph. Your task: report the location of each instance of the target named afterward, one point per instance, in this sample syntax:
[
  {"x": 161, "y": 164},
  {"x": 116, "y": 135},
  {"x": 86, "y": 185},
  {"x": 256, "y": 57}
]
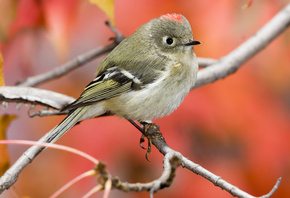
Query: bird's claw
[
  {"x": 149, "y": 131},
  {"x": 142, "y": 139}
]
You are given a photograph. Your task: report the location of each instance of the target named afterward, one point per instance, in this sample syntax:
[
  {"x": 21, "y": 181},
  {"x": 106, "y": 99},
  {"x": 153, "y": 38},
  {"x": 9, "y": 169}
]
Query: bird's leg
[
  {"x": 148, "y": 130},
  {"x": 142, "y": 139}
]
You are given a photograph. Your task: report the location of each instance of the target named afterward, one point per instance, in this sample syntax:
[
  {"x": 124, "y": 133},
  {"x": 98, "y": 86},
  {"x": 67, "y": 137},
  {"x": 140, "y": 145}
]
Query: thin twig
[
  {"x": 74, "y": 63},
  {"x": 72, "y": 182},
  {"x": 42, "y": 113},
  {"x": 54, "y": 146},
  {"x": 119, "y": 37},
  {"x": 67, "y": 67},
  {"x": 93, "y": 191},
  {"x": 11, "y": 175}
]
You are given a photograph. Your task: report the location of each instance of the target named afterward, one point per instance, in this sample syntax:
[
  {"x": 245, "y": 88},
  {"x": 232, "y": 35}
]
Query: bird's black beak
[{"x": 192, "y": 42}]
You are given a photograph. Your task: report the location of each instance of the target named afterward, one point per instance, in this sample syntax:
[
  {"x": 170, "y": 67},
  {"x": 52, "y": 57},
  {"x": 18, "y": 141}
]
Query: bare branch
[
  {"x": 218, "y": 181},
  {"x": 67, "y": 67},
  {"x": 204, "y": 62},
  {"x": 11, "y": 175},
  {"x": 230, "y": 63},
  {"x": 170, "y": 162},
  {"x": 34, "y": 96},
  {"x": 159, "y": 142},
  {"x": 273, "y": 189},
  {"x": 119, "y": 37},
  {"x": 44, "y": 112},
  {"x": 74, "y": 63}
]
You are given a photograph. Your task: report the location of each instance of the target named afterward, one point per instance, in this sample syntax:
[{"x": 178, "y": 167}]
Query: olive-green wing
[
  {"x": 105, "y": 86},
  {"x": 113, "y": 81}
]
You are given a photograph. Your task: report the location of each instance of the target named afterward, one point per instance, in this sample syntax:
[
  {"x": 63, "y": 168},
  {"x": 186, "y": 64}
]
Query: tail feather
[{"x": 66, "y": 125}]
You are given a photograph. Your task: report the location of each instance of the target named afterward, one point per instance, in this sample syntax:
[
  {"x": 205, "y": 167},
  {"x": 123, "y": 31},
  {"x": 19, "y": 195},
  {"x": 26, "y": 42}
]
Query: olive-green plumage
[{"x": 145, "y": 77}]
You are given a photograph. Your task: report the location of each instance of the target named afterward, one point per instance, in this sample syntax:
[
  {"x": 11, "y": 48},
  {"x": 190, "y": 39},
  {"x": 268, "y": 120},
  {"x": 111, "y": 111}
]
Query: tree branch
[
  {"x": 159, "y": 142},
  {"x": 230, "y": 63},
  {"x": 67, "y": 67},
  {"x": 172, "y": 159},
  {"x": 34, "y": 96},
  {"x": 74, "y": 63},
  {"x": 170, "y": 162}
]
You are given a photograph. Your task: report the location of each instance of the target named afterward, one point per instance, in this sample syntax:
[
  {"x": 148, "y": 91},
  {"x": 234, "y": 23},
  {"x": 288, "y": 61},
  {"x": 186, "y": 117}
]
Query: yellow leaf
[
  {"x": 1, "y": 71},
  {"x": 4, "y": 159},
  {"x": 108, "y": 7}
]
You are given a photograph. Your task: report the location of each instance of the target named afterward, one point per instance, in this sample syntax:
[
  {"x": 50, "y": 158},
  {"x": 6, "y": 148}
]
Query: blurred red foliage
[{"x": 237, "y": 127}]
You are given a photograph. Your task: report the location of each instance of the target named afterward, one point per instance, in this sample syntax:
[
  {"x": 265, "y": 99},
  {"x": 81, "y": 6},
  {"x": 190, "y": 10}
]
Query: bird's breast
[{"x": 158, "y": 98}]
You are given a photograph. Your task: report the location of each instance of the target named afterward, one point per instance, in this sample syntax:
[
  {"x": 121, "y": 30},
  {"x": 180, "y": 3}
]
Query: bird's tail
[{"x": 66, "y": 124}]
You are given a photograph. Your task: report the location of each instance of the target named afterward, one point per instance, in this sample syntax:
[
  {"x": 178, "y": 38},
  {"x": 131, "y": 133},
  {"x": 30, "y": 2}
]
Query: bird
[{"x": 145, "y": 77}]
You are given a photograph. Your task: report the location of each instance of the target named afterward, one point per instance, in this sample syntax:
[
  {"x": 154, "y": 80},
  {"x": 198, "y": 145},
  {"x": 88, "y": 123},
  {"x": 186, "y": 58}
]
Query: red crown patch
[{"x": 175, "y": 17}]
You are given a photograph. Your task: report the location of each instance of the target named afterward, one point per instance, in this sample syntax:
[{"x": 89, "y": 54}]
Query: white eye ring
[{"x": 170, "y": 41}]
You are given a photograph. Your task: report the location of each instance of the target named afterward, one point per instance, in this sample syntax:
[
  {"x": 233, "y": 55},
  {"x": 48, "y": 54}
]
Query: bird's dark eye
[{"x": 169, "y": 41}]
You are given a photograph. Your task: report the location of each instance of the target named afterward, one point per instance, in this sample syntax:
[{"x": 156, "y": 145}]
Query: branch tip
[
  {"x": 119, "y": 36},
  {"x": 273, "y": 189}
]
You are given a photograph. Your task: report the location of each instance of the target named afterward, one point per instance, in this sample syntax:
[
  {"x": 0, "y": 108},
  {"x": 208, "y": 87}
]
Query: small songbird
[{"x": 145, "y": 77}]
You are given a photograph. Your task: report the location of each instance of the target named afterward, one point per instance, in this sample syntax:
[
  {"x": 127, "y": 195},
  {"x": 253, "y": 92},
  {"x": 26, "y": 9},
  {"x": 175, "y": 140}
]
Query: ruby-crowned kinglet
[{"x": 145, "y": 77}]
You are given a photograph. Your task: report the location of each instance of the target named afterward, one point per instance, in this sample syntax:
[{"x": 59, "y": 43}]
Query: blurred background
[{"x": 237, "y": 127}]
